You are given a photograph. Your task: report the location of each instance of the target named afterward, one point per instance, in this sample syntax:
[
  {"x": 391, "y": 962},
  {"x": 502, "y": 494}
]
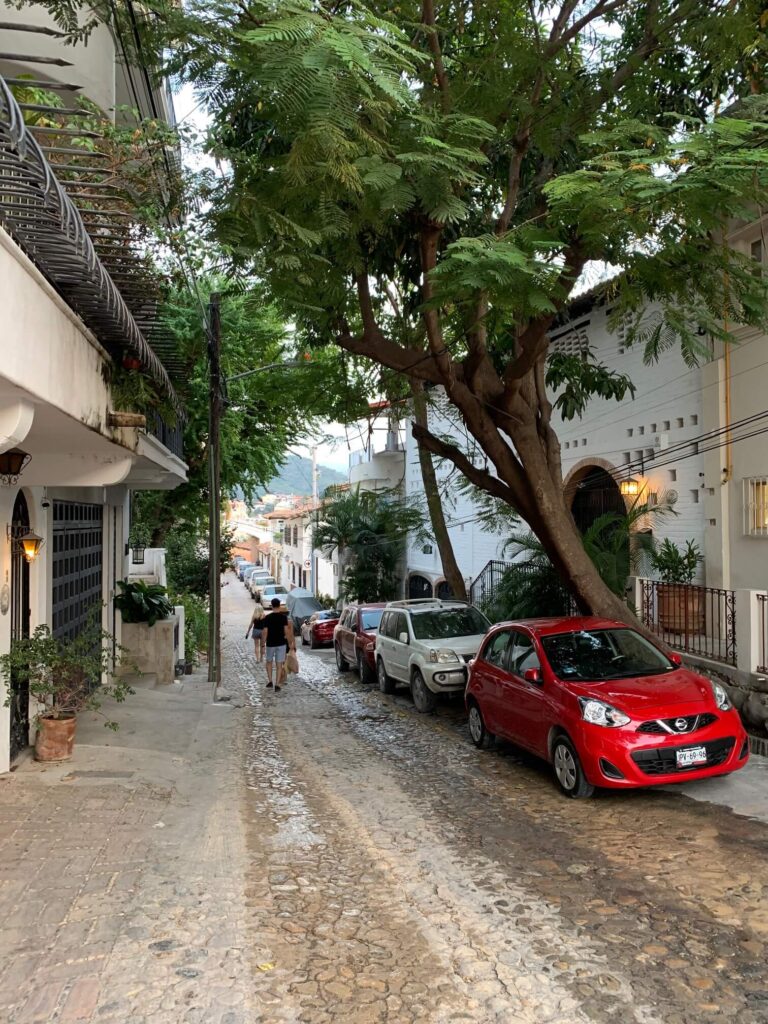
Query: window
[
  {"x": 666, "y": 424},
  {"x": 630, "y": 431},
  {"x": 695, "y": 497},
  {"x": 495, "y": 650},
  {"x": 400, "y": 625},
  {"x": 295, "y": 536},
  {"x": 756, "y": 507},
  {"x": 653, "y": 427},
  {"x": 446, "y": 623},
  {"x": 386, "y": 619},
  {"x": 641, "y": 430},
  {"x": 694, "y": 421},
  {"x": 673, "y": 475},
  {"x": 370, "y": 620},
  {"x": 524, "y": 655},
  {"x": 627, "y": 457},
  {"x": 599, "y": 654},
  {"x": 680, "y": 421}
]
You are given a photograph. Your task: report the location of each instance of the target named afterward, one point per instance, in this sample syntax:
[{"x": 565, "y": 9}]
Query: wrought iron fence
[
  {"x": 171, "y": 437},
  {"x": 698, "y": 620},
  {"x": 484, "y": 588},
  {"x": 762, "y": 632}
]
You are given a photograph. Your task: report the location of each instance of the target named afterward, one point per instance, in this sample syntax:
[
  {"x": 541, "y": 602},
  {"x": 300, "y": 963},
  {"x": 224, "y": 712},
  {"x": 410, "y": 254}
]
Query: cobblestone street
[{"x": 327, "y": 854}]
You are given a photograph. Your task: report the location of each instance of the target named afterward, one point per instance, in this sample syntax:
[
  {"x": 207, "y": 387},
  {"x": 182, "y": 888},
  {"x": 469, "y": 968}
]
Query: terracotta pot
[
  {"x": 131, "y": 363},
  {"x": 55, "y": 739},
  {"x": 681, "y": 608}
]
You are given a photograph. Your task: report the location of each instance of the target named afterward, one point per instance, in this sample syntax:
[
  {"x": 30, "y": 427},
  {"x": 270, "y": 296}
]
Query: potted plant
[
  {"x": 139, "y": 601},
  {"x": 680, "y": 605},
  {"x": 64, "y": 676}
]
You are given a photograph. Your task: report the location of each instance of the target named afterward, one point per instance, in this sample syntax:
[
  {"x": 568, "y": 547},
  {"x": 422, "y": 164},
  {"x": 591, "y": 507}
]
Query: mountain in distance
[{"x": 295, "y": 477}]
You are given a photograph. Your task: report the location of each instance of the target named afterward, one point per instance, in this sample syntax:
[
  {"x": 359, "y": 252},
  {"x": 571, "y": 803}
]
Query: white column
[{"x": 748, "y": 629}]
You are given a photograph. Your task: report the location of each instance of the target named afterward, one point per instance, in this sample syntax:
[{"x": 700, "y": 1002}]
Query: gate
[
  {"x": 77, "y": 565},
  {"x": 20, "y": 615}
]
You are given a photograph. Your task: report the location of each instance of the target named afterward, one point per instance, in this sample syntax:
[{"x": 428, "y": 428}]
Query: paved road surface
[{"x": 400, "y": 875}]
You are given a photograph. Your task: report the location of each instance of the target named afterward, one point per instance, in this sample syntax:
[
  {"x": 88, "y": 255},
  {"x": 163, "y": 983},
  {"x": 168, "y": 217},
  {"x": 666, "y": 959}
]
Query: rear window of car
[
  {"x": 370, "y": 619},
  {"x": 444, "y": 623},
  {"x": 326, "y": 615}
]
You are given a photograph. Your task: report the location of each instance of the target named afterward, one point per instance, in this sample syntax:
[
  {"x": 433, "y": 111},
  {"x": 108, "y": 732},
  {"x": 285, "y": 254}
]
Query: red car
[
  {"x": 318, "y": 629},
  {"x": 354, "y": 639},
  {"x": 602, "y": 704}
]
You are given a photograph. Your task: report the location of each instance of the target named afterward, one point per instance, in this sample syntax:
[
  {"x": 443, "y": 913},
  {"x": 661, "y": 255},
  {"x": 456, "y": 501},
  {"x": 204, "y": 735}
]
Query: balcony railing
[
  {"x": 698, "y": 620},
  {"x": 171, "y": 437}
]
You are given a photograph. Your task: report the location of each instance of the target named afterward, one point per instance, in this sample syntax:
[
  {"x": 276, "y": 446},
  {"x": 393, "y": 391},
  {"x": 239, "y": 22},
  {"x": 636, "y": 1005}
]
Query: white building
[{"x": 69, "y": 454}]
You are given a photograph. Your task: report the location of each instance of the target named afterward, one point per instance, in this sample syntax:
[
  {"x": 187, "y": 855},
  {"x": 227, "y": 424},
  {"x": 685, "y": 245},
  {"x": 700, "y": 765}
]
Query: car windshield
[
  {"x": 443, "y": 623},
  {"x": 326, "y": 615},
  {"x": 595, "y": 655},
  {"x": 370, "y": 620}
]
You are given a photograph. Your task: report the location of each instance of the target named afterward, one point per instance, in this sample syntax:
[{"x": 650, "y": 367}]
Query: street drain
[{"x": 100, "y": 774}]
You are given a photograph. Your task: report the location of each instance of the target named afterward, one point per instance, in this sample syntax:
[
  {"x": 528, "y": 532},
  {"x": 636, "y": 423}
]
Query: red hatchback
[
  {"x": 602, "y": 704},
  {"x": 318, "y": 629}
]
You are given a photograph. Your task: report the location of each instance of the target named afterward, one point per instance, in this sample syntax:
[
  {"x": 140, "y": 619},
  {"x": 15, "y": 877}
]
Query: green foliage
[
  {"x": 579, "y": 378},
  {"x": 675, "y": 565},
  {"x": 142, "y": 602},
  {"x": 65, "y": 674},
  {"x": 368, "y": 529},
  {"x": 195, "y": 623}
]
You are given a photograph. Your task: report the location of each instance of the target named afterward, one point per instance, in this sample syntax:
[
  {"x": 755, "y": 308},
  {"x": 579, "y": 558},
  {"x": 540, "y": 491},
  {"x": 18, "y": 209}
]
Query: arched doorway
[
  {"x": 444, "y": 590},
  {"x": 419, "y": 587},
  {"x": 20, "y": 615},
  {"x": 595, "y": 492}
]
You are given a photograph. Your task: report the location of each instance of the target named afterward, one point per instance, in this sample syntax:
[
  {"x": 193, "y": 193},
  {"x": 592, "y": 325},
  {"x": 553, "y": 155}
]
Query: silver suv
[{"x": 426, "y": 644}]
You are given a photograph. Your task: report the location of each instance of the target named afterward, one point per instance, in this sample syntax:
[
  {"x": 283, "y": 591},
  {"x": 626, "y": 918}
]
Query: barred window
[{"x": 756, "y": 507}]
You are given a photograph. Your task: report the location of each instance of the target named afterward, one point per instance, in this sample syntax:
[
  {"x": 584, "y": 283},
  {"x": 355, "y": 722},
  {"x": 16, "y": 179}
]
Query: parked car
[
  {"x": 426, "y": 644},
  {"x": 354, "y": 637},
  {"x": 271, "y": 590},
  {"x": 257, "y": 581},
  {"x": 317, "y": 630},
  {"x": 242, "y": 567},
  {"x": 301, "y": 604},
  {"x": 247, "y": 574},
  {"x": 602, "y": 704}
]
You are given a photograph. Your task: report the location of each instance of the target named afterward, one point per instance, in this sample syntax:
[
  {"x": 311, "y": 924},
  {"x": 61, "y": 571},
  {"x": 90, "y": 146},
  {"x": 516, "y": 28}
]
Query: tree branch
[
  {"x": 428, "y": 20},
  {"x": 480, "y": 477}
]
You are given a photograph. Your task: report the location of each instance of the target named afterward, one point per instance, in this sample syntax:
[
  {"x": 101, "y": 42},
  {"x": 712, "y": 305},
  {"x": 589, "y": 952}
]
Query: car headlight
[
  {"x": 722, "y": 699},
  {"x": 442, "y": 655},
  {"x": 599, "y": 713}
]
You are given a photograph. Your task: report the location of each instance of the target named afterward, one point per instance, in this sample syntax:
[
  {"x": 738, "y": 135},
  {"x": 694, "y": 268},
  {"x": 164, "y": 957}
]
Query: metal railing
[
  {"x": 697, "y": 620},
  {"x": 484, "y": 588},
  {"x": 171, "y": 437},
  {"x": 762, "y": 632}
]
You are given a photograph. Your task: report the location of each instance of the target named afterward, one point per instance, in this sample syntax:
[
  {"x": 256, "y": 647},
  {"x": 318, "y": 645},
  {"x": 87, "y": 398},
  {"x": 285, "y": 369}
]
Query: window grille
[
  {"x": 572, "y": 342},
  {"x": 756, "y": 507}
]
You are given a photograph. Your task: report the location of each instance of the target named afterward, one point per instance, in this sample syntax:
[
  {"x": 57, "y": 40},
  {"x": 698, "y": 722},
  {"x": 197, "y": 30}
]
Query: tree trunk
[{"x": 450, "y": 566}]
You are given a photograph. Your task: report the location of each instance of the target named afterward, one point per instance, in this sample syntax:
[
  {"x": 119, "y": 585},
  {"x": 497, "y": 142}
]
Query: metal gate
[
  {"x": 20, "y": 615},
  {"x": 77, "y": 565}
]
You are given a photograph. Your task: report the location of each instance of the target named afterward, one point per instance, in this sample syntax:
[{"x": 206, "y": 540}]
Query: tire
[
  {"x": 477, "y": 730},
  {"x": 386, "y": 682},
  {"x": 364, "y": 669},
  {"x": 341, "y": 662},
  {"x": 423, "y": 699},
  {"x": 303, "y": 641},
  {"x": 569, "y": 774}
]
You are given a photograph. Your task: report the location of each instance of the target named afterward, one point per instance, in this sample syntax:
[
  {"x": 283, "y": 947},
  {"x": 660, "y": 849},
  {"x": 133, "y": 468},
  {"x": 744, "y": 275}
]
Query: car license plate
[{"x": 691, "y": 755}]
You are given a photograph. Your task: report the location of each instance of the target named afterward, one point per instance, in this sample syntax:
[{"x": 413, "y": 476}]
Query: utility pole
[
  {"x": 312, "y": 561},
  {"x": 214, "y": 493}
]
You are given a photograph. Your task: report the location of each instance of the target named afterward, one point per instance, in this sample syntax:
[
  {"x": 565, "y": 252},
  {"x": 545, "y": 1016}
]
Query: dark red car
[
  {"x": 317, "y": 630},
  {"x": 354, "y": 639},
  {"x": 602, "y": 704}
]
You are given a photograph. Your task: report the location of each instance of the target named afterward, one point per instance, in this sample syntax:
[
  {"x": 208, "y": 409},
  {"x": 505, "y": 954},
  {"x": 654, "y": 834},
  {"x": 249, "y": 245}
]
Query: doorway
[{"x": 20, "y": 618}]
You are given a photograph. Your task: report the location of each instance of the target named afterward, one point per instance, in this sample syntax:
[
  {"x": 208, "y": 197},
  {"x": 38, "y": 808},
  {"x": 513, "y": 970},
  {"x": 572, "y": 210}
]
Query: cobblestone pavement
[{"x": 329, "y": 855}]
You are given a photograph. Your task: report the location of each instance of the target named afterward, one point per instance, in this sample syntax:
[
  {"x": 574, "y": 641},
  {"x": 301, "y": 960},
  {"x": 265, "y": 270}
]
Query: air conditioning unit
[{"x": 661, "y": 441}]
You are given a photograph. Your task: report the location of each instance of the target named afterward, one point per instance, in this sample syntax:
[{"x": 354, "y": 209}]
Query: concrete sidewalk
[{"x": 122, "y": 872}]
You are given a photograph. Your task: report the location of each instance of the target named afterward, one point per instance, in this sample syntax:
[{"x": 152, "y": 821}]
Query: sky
[{"x": 334, "y": 441}]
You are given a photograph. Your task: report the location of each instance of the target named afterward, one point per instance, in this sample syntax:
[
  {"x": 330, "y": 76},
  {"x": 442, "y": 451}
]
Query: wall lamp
[
  {"x": 630, "y": 488},
  {"x": 29, "y": 542},
  {"x": 12, "y": 465}
]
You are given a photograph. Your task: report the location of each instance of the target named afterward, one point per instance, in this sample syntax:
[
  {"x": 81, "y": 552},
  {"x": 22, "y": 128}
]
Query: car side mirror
[
  {"x": 532, "y": 675},
  {"x": 403, "y": 638},
  {"x": 675, "y": 658}
]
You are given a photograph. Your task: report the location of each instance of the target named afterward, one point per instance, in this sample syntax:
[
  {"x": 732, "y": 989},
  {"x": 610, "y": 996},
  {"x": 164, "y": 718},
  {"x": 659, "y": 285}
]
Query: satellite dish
[{"x": 671, "y": 497}]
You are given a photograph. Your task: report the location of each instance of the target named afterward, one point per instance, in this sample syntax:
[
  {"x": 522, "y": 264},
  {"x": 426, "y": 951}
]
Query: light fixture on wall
[
  {"x": 427, "y": 549},
  {"x": 630, "y": 488},
  {"x": 12, "y": 465},
  {"x": 29, "y": 542}
]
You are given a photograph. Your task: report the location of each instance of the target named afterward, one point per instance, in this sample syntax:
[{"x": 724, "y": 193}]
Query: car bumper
[
  {"x": 614, "y": 764},
  {"x": 448, "y": 678},
  {"x": 322, "y": 637}
]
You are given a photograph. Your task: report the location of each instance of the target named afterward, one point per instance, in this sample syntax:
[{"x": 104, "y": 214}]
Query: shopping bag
[{"x": 291, "y": 662}]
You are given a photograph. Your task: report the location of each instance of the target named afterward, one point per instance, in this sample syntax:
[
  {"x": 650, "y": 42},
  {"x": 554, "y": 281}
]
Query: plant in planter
[
  {"x": 142, "y": 602},
  {"x": 680, "y": 605},
  {"x": 64, "y": 676}
]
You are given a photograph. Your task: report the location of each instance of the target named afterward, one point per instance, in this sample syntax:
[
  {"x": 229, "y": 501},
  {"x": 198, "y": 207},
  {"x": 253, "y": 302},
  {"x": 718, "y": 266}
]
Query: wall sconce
[
  {"x": 427, "y": 549},
  {"x": 29, "y": 542},
  {"x": 630, "y": 488},
  {"x": 138, "y": 554},
  {"x": 12, "y": 465}
]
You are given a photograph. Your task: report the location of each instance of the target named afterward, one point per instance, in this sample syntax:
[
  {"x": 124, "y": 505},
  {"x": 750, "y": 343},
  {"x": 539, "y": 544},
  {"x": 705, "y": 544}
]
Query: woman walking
[{"x": 255, "y": 628}]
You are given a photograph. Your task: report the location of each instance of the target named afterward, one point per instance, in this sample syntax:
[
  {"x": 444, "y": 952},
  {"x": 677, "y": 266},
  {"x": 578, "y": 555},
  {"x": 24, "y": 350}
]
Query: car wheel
[
  {"x": 423, "y": 698},
  {"x": 312, "y": 641},
  {"x": 386, "y": 682},
  {"x": 363, "y": 668},
  {"x": 477, "y": 730},
  {"x": 568, "y": 771},
  {"x": 341, "y": 662},
  {"x": 303, "y": 641}
]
